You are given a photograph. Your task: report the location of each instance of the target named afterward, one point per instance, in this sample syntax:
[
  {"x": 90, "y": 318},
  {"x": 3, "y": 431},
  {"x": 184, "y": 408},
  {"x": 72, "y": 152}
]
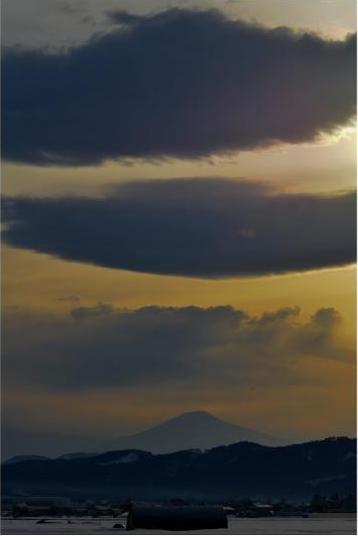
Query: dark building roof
[{"x": 176, "y": 517}]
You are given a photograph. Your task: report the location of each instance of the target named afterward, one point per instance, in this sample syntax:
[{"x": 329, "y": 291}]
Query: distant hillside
[
  {"x": 197, "y": 429},
  {"x": 242, "y": 469},
  {"x": 18, "y": 459},
  {"x": 77, "y": 455}
]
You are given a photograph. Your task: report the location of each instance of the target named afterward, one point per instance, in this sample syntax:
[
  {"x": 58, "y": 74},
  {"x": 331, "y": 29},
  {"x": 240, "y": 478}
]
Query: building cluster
[
  {"x": 60, "y": 506},
  {"x": 139, "y": 512}
]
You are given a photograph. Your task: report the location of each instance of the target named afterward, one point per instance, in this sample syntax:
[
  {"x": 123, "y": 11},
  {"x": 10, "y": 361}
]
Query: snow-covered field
[{"x": 318, "y": 524}]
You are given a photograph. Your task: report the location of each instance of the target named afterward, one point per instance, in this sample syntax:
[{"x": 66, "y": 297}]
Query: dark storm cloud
[
  {"x": 180, "y": 83},
  {"x": 190, "y": 227},
  {"x": 165, "y": 345}
]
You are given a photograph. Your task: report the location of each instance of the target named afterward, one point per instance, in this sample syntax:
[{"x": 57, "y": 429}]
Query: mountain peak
[
  {"x": 198, "y": 413},
  {"x": 191, "y": 430},
  {"x": 194, "y": 415}
]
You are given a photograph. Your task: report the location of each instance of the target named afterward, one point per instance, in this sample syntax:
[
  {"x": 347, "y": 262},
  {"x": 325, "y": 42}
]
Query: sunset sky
[{"x": 179, "y": 217}]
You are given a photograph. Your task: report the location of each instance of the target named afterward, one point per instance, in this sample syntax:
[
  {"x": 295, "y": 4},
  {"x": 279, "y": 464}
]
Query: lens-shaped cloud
[
  {"x": 180, "y": 83},
  {"x": 190, "y": 227}
]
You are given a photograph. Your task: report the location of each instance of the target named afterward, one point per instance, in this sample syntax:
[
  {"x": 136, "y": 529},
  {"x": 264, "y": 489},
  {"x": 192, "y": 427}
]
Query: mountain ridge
[{"x": 243, "y": 469}]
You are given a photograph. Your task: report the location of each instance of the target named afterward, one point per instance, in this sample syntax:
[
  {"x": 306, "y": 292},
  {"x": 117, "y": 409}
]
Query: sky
[{"x": 178, "y": 185}]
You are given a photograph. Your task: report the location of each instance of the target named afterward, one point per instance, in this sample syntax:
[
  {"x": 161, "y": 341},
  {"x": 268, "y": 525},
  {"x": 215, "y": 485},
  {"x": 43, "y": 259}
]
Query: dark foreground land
[
  {"x": 313, "y": 483},
  {"x": 315, "y": 524}
]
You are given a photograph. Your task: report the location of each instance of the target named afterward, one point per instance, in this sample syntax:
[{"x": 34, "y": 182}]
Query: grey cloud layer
[
  {"x": 102, "y": 348},
  {"x": 179, "y": 83},
  {"x": 190, "y": 227}
]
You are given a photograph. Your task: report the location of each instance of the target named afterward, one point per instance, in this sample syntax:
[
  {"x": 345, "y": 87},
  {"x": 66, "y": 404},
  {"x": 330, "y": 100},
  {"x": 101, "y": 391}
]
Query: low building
[{"x": 176, "y": 518}]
